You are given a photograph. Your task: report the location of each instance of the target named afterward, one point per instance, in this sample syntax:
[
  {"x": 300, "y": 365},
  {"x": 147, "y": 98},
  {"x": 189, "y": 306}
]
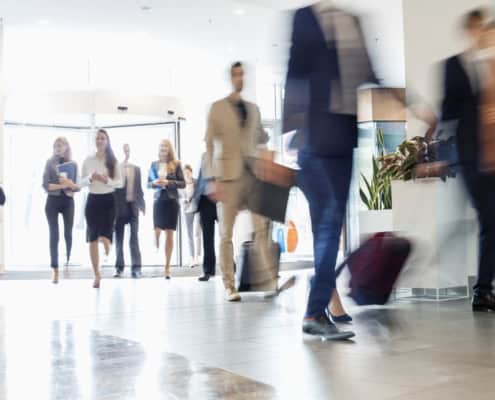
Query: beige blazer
[{"x": 229, "y": 147}]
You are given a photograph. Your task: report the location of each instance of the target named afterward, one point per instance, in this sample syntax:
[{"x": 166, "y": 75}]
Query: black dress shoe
[
  {"x": 118, "y": 274},
  {"x": 484, "y": 302},
  {"x": 137, "y": 274},
  {"x": 323, "y": 327},
  {"x": 204, "y": 278}
]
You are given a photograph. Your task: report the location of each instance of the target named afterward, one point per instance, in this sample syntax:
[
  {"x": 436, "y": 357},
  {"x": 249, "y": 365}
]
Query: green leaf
[{"x": 365, "y": 199}]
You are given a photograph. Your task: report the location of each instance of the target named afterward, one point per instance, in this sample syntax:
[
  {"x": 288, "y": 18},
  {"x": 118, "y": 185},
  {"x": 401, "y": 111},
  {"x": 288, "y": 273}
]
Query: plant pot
[
  {"x": 374, "y": 221},
  {"x": 437, "y": 217}
]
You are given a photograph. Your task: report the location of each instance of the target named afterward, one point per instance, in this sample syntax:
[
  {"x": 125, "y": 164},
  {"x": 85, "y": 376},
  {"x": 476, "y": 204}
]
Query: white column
[{"x": 2, "y": 158}]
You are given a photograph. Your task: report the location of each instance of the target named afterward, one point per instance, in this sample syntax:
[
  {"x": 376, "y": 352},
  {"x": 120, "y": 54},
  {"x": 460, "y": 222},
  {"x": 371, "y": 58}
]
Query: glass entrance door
[
  {"x": 144, "y": 142},
  {"x": 28, "y": 148}
]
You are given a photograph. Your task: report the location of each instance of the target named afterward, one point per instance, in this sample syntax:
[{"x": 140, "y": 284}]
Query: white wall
[
  {"x": 431, "y": 35},
  {"x": 2, "y": 266}
]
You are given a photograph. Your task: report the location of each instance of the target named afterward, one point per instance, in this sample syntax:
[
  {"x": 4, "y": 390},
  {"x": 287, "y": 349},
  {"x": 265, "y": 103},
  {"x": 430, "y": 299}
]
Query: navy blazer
[
  {"x": 176, "y": 181},
  {"x": 461, "y": 102},
  {"x": 312, "y": 66}
]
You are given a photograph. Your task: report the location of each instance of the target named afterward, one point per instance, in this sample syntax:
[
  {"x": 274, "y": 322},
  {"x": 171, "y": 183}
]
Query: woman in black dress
[
  {"x": 101, "y": 173},
  {"x": 166, "y": 177}
]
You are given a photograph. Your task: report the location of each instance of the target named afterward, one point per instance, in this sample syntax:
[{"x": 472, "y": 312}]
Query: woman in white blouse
[{"x": 102, "y": 175}]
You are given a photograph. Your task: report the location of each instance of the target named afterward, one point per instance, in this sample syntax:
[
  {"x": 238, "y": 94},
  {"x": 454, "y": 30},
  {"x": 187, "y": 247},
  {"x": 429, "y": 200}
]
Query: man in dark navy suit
[
  {"x": 328, "y": 62},
  {"x": 465, "y": 80},
  {"x": 208, "y": 215}
]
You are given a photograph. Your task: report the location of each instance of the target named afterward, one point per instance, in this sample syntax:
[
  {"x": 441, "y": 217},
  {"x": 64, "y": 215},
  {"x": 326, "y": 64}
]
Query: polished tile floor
[{"x": 153, "y": 339}]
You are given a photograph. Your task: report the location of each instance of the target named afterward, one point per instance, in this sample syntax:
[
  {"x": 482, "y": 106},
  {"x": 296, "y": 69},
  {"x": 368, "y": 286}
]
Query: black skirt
[
  {"x": 165, "y": 212},
  {"x": 100, "y": 216}
]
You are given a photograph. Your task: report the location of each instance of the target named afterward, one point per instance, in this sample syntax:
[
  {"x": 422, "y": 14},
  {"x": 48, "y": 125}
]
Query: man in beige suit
[{"x": 233, "y": 134}]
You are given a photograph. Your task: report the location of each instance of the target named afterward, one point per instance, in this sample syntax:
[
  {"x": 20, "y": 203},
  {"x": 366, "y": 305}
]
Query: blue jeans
[{"x": 325, "y": 183}]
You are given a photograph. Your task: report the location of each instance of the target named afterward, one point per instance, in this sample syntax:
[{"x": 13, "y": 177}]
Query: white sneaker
[
  {"x": 191, "y": 263},
  {"x": 198, "y": 260},
  {"x": 233, "y": 295}
]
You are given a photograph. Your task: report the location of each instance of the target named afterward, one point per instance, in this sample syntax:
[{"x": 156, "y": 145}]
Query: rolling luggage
[
  {"x": 251, "y": 274},
  {"x": 375, "y": 267}
]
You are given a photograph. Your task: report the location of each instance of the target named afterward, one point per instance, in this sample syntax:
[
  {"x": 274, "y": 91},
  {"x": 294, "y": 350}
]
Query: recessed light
[
  {"x": 239, "y": 11},
  {"x": 146, "y": 8}
]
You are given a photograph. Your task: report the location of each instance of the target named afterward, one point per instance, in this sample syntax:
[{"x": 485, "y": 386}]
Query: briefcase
[
  {"x": 270, "y": 192},
  {"x": 269, "y": 200}
]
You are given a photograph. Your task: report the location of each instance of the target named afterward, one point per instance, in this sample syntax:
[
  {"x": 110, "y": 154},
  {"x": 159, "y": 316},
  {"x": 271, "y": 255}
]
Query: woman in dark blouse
[
  {"x": 166, "y": 177},
  {"x": 59, "y": 181}
]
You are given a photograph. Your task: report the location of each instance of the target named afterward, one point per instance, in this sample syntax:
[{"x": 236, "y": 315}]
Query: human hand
[
  {"x": 96, "y": 177},
  {"x": 64, "y": 182},
  {"x": 215, "y": 191}
]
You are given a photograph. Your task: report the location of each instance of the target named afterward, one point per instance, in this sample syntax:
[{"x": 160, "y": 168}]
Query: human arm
[
  {"x": 139, "y": 191},
  {"x": 114, "y": 182},
  {"x": 86, "y": 174},
  {"x": 179, "y": 182},
  {"x": 297, "y": 85},
  {"x": 209, "y": 170}
]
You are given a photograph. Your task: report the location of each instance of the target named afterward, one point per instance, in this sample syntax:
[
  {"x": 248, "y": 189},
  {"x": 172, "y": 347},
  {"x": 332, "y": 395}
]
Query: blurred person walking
[
  {"x": 166, "y": 178},
  {"x": 60, "y": 188},
  {"x": 207, "y": 210},
  {"x": 328, "y": 62},
  {"x": 469, "y": 101},
  {"x": 192, "y": 218},
  {"x": 233, "y": 133},
  {"x": 101, "y": 173},
  {"x": 129, "y": 201}
]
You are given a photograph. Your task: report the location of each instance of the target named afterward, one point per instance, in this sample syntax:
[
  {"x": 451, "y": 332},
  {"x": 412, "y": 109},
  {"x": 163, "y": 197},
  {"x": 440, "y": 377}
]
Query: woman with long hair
[
  {"x": 59, "y": 182},
  {"x": 166, "y": 177},
  {"x": 102, "y": 174}
]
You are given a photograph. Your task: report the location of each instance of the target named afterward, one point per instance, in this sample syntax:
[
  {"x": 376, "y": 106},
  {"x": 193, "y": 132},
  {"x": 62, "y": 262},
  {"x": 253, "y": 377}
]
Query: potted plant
[{"x": 376, "y": 194}]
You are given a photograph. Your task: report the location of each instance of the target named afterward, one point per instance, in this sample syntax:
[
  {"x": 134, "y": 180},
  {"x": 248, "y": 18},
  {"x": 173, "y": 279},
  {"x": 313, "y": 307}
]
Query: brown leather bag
[
  {"x": 487, "y": 122},
  {"x": 269, "y": 171}
]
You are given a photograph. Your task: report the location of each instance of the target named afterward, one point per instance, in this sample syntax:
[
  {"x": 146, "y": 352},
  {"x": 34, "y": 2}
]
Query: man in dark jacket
[
  {"x": 328, "y": 62},
  {"x": 464, "y": 84},
  {"x": 129, "y": 202}
]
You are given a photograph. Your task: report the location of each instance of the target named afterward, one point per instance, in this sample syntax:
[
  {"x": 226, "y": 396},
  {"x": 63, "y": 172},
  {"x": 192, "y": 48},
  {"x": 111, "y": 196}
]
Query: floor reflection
[{"x": 65, "y": 363}]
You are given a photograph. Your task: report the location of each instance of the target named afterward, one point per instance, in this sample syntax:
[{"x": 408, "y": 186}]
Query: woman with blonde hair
[
  {"x": 59, "y": 182},
  {"x": 101, "y": 173},
  {"x": 166, "y": 177}
]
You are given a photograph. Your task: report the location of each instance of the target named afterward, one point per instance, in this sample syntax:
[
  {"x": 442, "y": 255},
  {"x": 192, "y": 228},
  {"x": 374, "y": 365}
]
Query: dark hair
[
  {"x": 472, "y": 17},
  {"x": 188, "y": 167},
  {"x": 235, "y": 65},
  {"x": 110, "y": 159}
]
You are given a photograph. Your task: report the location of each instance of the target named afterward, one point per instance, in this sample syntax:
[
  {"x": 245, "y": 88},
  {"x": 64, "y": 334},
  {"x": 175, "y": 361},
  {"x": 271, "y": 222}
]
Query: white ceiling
[{"x": 260, "y": 34}]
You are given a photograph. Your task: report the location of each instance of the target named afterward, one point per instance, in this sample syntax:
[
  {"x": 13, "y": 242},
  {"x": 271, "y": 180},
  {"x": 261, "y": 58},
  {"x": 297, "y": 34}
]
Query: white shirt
[
  {"x": 94, "y": 164},
  {"x": 188, "y": 193}
]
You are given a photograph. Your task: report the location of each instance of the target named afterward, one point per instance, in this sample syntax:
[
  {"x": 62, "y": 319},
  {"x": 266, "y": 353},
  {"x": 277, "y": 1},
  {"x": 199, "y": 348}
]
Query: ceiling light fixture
[
  {"x": 239, "y": 11},
  {"x": 146, "y": 8}
]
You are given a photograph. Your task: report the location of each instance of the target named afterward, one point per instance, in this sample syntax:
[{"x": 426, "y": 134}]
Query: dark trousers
[
  {"x": 208, "y": 216},
  {"x": 325, "y": 183},
  {"x": 127, "y": 216},
  {"x": 56, "y": 205},
  {"x": 481, "y": 188}
]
